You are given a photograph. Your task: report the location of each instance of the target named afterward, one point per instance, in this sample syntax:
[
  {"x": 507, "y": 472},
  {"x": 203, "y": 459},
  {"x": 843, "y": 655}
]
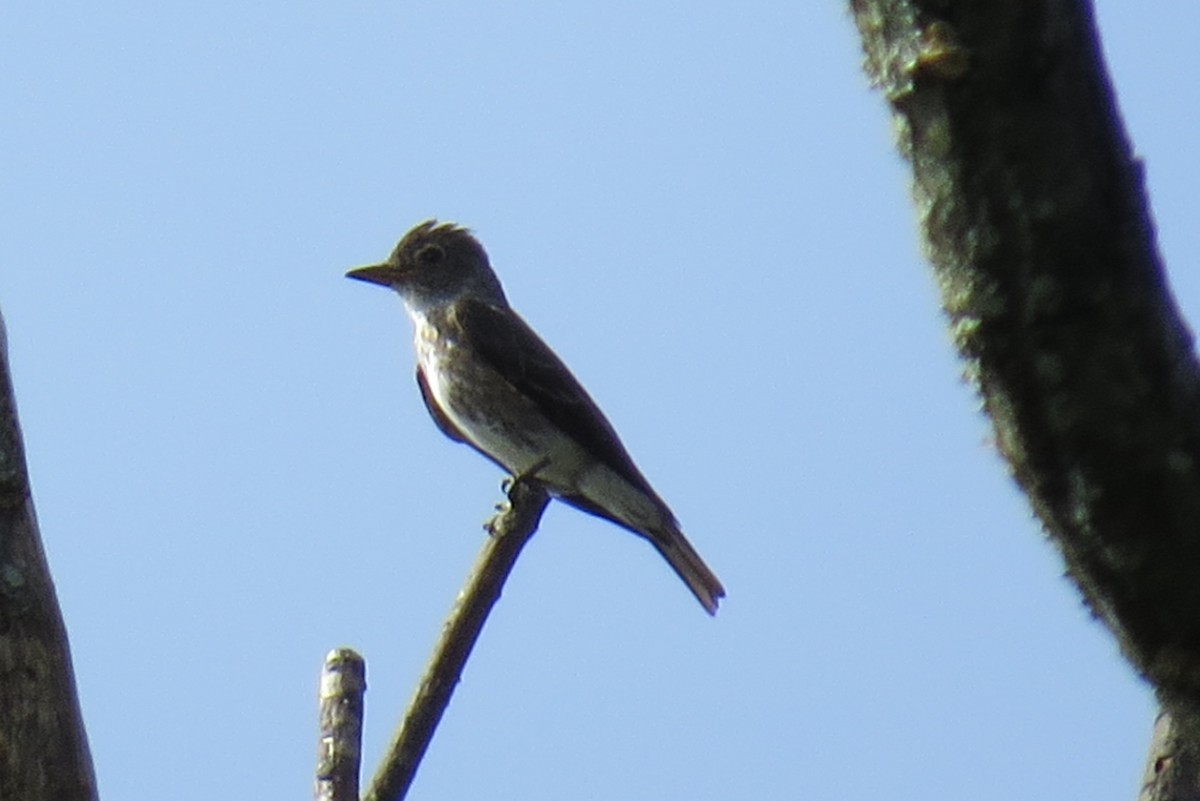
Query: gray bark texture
[
  {"x": 1032, "y": 210},
  {"x": 339, "y": 750}
]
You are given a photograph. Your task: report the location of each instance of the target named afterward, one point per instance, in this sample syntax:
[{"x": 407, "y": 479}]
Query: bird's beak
[{"x": 382, "y": 274}]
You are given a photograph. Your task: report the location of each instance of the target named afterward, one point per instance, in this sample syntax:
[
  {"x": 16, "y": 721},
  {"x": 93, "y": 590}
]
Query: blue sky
[{"x": 701, "y": 209}]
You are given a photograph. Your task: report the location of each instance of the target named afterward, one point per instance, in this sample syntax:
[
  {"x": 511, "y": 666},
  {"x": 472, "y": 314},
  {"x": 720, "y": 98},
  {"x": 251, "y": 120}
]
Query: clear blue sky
[{"x": 701, "y": 209}]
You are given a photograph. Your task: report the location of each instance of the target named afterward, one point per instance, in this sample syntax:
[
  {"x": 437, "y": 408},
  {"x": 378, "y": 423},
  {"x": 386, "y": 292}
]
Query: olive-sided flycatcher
[{"x": 488, "y": 380}]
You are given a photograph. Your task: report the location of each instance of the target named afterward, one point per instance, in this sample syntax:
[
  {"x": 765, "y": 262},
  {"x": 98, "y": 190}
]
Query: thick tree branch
[
  {"x": 43, "y": 748},
  {"x": 510, "y": 530},
  {"x": 1033, "y": 212}
]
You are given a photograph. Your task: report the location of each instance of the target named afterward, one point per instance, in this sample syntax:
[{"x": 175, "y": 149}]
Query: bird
[{"x": 488, "y": 380}]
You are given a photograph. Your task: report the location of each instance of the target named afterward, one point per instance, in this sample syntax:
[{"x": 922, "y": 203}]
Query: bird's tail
[{"x": 682, "y": 557}]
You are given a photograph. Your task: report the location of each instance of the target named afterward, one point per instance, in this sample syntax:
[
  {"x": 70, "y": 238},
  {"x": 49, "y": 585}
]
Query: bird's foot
[
  {"x": 492, "y": 526},
  {"x": 510, "y": 486}
]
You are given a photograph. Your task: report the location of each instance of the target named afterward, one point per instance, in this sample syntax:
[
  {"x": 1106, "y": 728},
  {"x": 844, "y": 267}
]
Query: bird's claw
[
  {"x": 509, "y": 486},
  {"x": 493, "y": 523}
]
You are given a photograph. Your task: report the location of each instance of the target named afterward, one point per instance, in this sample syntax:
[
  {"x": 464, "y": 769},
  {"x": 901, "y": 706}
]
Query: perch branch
[{"x": 510, "y": 530}]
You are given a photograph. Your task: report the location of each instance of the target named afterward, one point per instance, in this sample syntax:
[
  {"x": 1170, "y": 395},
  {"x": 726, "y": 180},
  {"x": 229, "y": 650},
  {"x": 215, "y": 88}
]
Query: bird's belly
[{"x": 501, "y": 422}]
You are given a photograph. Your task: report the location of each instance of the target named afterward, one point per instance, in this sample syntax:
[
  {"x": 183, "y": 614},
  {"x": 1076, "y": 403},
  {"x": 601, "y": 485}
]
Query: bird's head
[{"x": 436, "y": 263}]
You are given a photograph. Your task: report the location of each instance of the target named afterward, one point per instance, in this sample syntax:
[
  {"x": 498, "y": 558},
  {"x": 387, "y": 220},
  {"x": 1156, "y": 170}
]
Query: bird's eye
[{"x": 431, "y": 254}]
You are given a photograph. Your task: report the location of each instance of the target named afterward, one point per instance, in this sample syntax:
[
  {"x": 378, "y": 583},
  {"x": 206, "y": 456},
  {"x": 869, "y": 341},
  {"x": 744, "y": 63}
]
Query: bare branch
[
  {"x": 343, "y": 682},
  {"x": 510, "y": 530}
]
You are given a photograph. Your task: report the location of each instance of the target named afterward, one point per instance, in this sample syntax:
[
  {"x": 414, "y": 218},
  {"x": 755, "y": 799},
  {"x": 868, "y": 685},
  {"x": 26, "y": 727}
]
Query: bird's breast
[{"x": 486, "y": 408}]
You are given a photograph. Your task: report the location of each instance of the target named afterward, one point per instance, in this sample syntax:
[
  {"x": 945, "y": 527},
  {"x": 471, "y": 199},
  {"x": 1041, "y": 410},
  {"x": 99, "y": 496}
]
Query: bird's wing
[{"x": 510, "y": 347}]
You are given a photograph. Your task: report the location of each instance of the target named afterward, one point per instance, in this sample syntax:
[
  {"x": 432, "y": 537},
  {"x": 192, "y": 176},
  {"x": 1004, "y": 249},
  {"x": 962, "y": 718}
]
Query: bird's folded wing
[{"x": 509, "y": 346}]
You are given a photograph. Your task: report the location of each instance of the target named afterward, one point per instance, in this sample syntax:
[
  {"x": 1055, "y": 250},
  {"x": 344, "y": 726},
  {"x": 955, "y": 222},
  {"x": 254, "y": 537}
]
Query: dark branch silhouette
[
  {"x": 1033, "y": 212},
  {"x": 43, "y": 748}
]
